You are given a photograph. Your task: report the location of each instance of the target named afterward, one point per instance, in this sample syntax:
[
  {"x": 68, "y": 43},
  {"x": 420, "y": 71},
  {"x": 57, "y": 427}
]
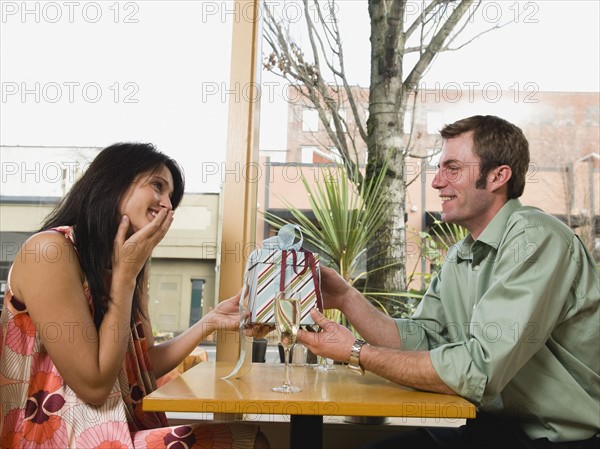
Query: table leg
[{"x": 306, "y": 432}]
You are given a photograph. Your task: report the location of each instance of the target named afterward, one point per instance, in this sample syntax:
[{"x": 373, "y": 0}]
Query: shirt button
[{"x": 476, "y": 268}]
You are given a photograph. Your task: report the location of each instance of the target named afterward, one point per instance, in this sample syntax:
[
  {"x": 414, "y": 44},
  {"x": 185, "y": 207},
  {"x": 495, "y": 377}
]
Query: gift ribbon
[{"x": 309, "y": 262}]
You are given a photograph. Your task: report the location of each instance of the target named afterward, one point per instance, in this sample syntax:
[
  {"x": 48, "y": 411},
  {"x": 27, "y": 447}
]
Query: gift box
[{"x": 282, "y": 265}]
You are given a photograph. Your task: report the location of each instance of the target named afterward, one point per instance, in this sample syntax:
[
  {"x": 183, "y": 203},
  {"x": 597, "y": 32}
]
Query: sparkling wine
[
  {"x": 287, "y": 319},
  {"x": 287, "y": 323}
]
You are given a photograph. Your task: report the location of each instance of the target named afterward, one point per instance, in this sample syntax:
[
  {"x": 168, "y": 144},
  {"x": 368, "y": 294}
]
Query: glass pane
[
  {"x": 291, "y": 127},
  {"x": 491, "y": 74},
  {"x": 77, "y": 77}
]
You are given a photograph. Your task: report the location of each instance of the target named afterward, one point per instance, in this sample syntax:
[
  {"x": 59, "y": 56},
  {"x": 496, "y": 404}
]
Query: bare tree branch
[
  {"x": 496, "y": 27},
  {"x": 342, "y": 71},
  {"x": 288, "y": 61},
  {"x": 422, "y": 17},
  {"x": 436, "y": 44}
]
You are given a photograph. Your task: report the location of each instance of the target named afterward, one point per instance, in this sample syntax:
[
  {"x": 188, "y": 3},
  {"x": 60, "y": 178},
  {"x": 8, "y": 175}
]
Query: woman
[{"x": 76, "y": 349}]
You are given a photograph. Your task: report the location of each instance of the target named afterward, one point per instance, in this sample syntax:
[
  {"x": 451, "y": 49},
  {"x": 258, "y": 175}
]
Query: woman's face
[{"x": 147, "y": 194}]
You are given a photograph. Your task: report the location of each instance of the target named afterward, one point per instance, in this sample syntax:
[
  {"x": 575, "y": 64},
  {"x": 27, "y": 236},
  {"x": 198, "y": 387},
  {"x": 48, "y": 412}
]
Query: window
[
  {"x": 308, "y": 154},
  {"x": 343, "y": 116},
  {"x": 40, "y": 167},
  {"x": 592, "y": 116},
  {"x": 4, "y": 267},
  {"x": 310, "y": 120},
  {"x": 335, "y": 155}
]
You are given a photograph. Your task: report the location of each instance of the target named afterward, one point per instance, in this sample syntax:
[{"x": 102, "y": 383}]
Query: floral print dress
[{"x": 38, "y": 410}]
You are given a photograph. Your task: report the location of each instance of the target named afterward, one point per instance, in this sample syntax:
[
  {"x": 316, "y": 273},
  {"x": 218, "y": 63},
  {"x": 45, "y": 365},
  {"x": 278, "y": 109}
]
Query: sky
[{"x": 94, "y": 73}]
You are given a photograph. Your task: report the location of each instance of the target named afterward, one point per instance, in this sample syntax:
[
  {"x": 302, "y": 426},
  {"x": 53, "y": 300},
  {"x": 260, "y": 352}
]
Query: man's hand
[
  {"x": 334, "y": 288},
  {"x": 334, "y": 340}
]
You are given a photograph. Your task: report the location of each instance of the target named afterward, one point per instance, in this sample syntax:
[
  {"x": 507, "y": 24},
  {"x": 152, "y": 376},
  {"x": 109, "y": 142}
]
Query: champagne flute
[
  {"x": 287, "y": 322},
  {"x": 325, "y": 364}
]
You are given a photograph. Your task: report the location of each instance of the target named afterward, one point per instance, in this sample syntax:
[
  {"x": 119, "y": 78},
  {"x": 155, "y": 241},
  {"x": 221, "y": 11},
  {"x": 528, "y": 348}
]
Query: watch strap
[{"x": 354, "y": 364}]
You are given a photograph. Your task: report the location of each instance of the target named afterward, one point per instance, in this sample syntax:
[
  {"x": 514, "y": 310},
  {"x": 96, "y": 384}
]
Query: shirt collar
[
  {"x": 492, "y": 232},
  {"x": 495, "y": 228}
]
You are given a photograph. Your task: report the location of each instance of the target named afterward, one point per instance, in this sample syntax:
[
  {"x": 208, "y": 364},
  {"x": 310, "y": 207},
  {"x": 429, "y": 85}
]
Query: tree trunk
[
  {"x": 387, "y": 105},
  {"x": 386, "y": 258}
]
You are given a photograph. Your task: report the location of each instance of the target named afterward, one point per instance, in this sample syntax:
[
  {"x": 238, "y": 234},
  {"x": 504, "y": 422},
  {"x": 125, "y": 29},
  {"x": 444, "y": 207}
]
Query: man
[{"x": 510, "y": 323}]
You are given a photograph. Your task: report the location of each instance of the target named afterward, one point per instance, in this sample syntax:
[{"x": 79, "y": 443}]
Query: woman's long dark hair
[{"x": 91, "y": 207}]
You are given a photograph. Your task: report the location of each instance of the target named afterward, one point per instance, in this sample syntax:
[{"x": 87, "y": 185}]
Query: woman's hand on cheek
[{"x": 130, "y": 254}]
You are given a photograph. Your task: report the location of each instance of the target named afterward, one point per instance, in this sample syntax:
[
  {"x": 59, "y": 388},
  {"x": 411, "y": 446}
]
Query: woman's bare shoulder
[{"x": 41, "y": 255}]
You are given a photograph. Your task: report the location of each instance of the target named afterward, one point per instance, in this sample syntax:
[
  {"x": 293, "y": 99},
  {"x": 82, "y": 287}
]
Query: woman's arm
[
  {"x": 51, "y": 287},
  {"x": 167, "y": 355}
]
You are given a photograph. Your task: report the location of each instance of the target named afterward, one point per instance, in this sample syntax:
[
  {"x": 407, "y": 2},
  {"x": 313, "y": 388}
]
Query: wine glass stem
[{"x": 286, "y": 382}]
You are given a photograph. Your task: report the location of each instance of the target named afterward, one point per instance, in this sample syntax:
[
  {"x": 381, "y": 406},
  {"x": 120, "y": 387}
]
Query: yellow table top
[{"x": 333, "y": 393}]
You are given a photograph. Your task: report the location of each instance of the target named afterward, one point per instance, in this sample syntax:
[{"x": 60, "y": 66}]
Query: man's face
[{"x": 462, "y": 202}]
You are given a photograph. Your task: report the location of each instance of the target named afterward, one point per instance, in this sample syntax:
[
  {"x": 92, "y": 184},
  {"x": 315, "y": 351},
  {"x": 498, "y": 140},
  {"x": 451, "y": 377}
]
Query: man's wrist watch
[{"x": 354, "y": 364}]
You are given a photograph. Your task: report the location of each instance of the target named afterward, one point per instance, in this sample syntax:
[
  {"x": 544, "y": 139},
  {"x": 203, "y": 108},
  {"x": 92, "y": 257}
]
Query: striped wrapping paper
[{"x": 265, "y": 279}]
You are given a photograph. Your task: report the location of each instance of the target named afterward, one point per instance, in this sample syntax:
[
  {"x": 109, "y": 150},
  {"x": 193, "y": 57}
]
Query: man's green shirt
[{"x": 512, "y": 322}]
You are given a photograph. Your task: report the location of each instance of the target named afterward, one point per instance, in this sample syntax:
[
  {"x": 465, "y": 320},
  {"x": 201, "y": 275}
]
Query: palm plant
[
  {"x": 347, "y": 215},
  {"x": 436, "y": 244}
]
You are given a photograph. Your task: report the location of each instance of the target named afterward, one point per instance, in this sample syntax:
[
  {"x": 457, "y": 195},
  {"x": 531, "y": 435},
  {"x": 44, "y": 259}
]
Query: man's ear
[{"x": 499, "y": 176}]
